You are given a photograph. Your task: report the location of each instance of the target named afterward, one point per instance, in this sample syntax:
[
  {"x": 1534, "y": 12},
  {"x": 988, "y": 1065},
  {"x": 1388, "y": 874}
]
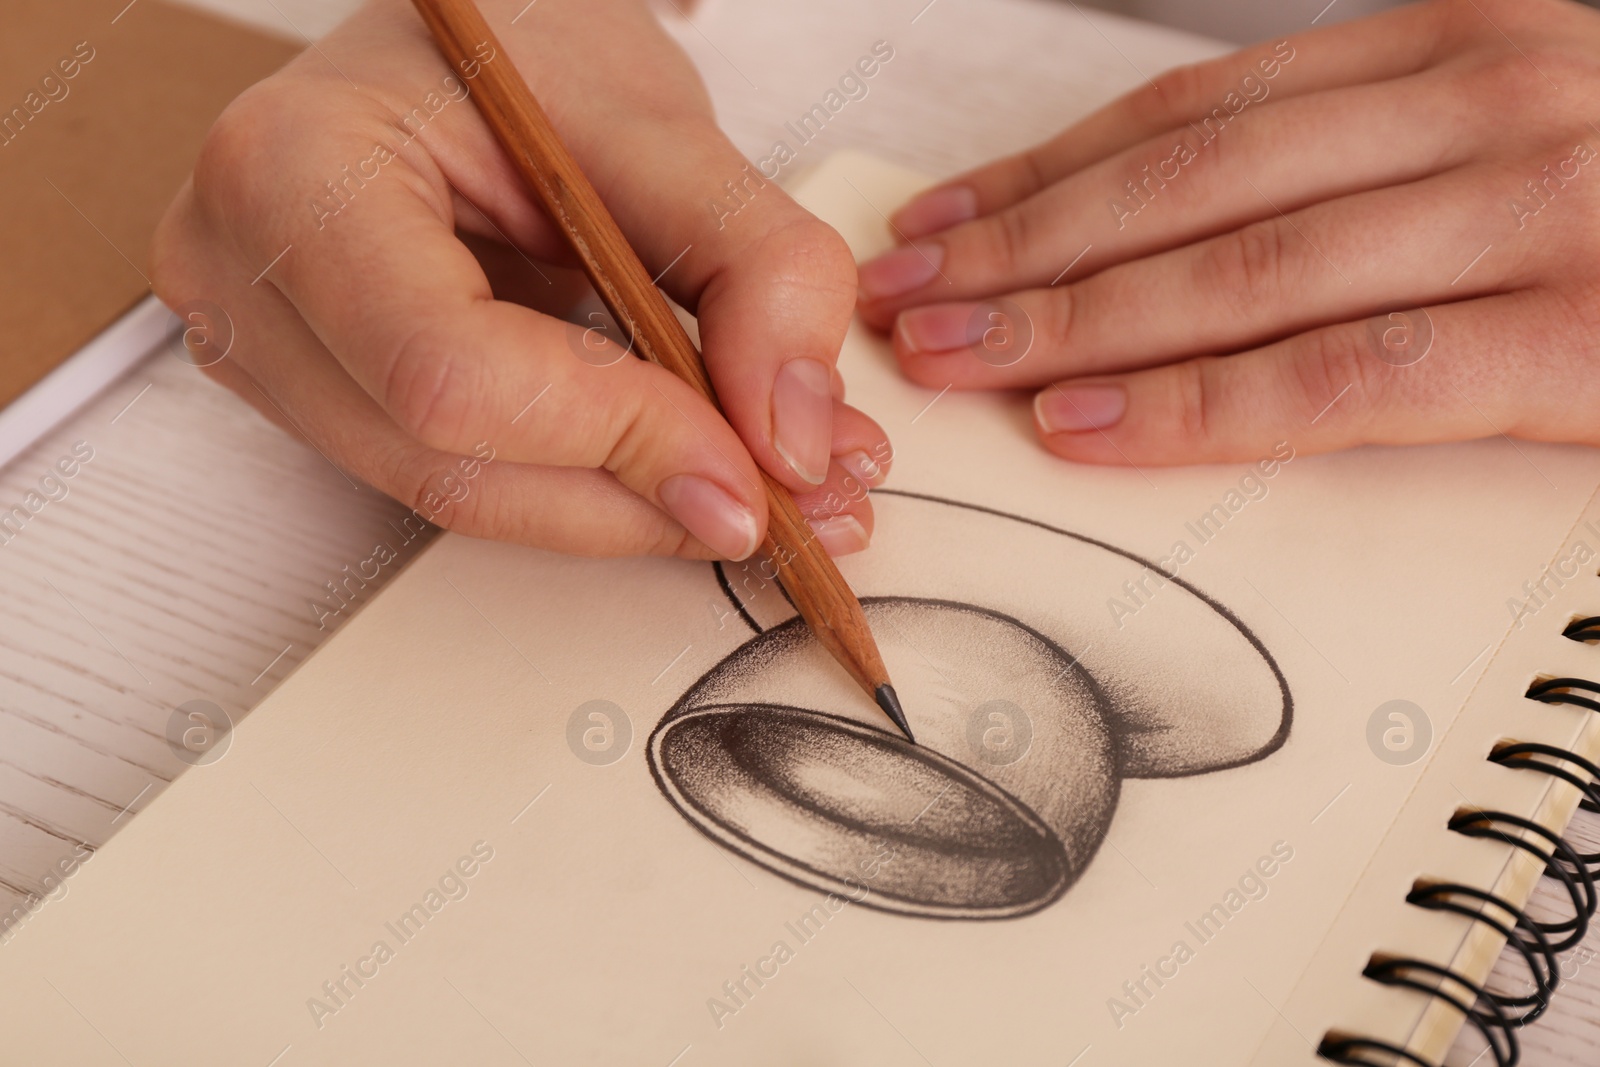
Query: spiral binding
[{"x": 1498, "y": 1016}]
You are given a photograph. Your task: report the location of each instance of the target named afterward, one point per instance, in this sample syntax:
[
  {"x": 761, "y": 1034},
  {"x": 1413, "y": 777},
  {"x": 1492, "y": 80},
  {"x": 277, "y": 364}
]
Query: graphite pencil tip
[{"x": 890, "y": 703}]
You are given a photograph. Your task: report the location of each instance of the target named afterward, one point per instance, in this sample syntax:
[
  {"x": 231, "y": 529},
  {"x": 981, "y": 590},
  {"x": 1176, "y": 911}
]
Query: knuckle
[
  {"x": 1029, "y": 172},
  {"x": 1219, "y": 156},
  {"x": 671, "y": 540},
  {"x": 798, "y": 246},
  {"x": 1010, "y": 237},
  {"x": 1194, "y": 387},
  {"x": 809, "y": 271},
  {"x": 465, "y": 516},
  {"x": 816, "y": 249},
  {"x": 1210, "y": 166},
  {"x": 403, "y": 474},
  {"x": 436, "y": 491},
  {"x": 1055, "y": 319},
  {"x": 1171, "y": 97},
  {"x": 827, "y": 247},
  {"x": 237, "y": 151},
  {"x": 634, "y": 430},
  {"x": 1249, "y": 264},
  {"x": 1332, "y": 363},
  {"x": 427, "y": 388}
]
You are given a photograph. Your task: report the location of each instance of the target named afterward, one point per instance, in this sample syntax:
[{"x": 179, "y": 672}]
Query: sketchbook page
[
  {"x": 1419, "y": 847},
  {"x": 542, "y": 809},
  {"x": 1386, "y": 598}
]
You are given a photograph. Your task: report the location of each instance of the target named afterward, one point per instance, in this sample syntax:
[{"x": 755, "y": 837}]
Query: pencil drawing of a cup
[{"x": 776, "y": 755}]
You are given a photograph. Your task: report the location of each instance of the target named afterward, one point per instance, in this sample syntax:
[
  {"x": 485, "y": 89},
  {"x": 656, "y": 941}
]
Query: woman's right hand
[{"x": 381, "y": 265}]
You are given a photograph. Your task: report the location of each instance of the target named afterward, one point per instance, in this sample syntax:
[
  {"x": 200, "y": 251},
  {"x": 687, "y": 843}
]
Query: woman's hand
[
  {"x": 380, "y": 263},
  {"x": 1236, "y": 255}
]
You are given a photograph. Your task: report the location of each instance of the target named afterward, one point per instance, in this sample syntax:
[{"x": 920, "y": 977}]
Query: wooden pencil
[{"x": 804, "y": 568}]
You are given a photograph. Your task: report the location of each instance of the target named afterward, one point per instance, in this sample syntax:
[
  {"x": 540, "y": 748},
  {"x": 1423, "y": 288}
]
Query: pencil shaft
[
  {"x": 536, "y": 150},
  {"x": 508, "y": 105}
]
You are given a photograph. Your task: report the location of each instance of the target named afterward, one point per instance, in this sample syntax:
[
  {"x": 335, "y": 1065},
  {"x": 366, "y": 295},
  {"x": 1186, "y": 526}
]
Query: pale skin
[
  {"x": 1222, "y": 309},
  {"x": 1231, "y": 310},
  {"x": 413, "y": 325}
]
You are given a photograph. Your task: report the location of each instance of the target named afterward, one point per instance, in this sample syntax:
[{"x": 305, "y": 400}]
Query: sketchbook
[{"x": 1241, "y": 764}]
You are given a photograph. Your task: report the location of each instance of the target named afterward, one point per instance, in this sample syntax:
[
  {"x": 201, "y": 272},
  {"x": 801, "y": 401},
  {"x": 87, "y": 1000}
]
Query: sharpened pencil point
[{"x": 890, "y": 703}]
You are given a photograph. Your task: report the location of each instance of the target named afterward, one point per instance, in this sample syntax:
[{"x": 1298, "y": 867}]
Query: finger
[
  {"x": 281, "y": 368},
  {"x": 772, "y": 318},
  {"x": 1389, "y": 45},
  {"x": 774, "y": 290},
  {"x": 407, "y": 310},
  {"x": 1483, "y": 369},
  {"x": 861, "y": 446},
  {"x": 839, "y": 510},
  {"x": 1193, "y": 184},
  {"x": 596, "y": 515},
  {"x": 1335, "y": 262},
  {"x": 605, "y": 518},
  {"x": 773, "y": 287}
]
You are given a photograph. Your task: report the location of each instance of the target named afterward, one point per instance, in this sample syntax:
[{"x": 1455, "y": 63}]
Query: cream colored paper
[{"x": 577, "y": 917}]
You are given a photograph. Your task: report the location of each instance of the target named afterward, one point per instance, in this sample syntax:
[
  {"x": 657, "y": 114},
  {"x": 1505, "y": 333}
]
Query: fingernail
[
  {"x": 900, "y": 271},
  {"x": 707, "y": 510},
  {"x": 863, "y": 467},
  {"x": 840, "y": 535},
  {"x": 1075, "y": 408},
  {"x": 941, "y": 327},
  {"x": 935, "y": 211},
  {"x": 802, "y": 417}
]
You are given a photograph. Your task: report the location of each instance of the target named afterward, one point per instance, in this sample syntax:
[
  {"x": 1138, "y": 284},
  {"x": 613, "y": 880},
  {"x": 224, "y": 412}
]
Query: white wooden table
[{"x": 183, "y": 561}]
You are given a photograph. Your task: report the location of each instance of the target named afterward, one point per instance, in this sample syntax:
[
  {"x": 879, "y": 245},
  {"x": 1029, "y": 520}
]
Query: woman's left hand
[{"x": 1382, "y": 232}]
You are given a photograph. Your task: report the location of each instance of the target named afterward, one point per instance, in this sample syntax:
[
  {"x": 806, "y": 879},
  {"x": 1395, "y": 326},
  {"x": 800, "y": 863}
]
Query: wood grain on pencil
[{"x": 804, "y": 568}]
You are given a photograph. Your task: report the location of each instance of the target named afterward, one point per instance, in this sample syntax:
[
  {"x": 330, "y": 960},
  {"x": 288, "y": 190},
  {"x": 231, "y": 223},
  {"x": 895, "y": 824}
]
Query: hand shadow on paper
[{"x": 1031, "y": 701}]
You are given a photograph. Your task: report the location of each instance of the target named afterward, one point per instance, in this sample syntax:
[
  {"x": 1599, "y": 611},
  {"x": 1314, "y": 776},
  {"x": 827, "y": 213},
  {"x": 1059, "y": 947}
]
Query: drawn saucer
[{"x": 995, "y": 628}]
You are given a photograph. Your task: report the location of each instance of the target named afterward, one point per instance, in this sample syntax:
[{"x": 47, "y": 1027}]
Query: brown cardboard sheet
[{"x": 103, "y": 106}]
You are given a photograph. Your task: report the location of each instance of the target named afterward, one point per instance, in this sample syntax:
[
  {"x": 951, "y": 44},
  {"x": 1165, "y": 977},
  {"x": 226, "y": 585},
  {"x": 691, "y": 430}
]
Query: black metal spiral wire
[
  {"x": 1499, "y": 1034},
  {"x": 1583, "y": 629},
  {"x": 1482, "y": 824},
  {"x": 1496, "y": 1015},
  {"x": 1353, "y": 1050},
  {"x": 1438, "y": 897},
  {"x": 1560, "y": 691},
  {"x": 1520, "y": 755}
]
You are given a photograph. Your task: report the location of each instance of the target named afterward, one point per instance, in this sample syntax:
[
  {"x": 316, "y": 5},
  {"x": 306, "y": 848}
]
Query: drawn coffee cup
[{"x": 775, "y": 754}]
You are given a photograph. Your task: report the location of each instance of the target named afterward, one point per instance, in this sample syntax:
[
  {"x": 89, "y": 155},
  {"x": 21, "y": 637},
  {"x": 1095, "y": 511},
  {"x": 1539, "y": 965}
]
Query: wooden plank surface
[{"x": 182, "y": 562}]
